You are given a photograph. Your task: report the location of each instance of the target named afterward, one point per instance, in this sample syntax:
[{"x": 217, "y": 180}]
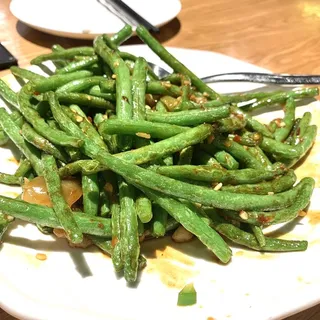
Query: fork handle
[{"x": 263, "y": 78}]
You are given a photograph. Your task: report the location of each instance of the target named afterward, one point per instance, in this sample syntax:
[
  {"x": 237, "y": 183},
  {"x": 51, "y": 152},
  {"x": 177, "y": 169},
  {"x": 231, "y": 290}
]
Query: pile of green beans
[{"x": 152, "y": 154}]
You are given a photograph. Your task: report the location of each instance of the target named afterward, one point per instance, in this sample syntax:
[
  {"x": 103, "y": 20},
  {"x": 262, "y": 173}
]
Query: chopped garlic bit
[
  {"x": 302, "y": 213},
  {"x": 113, "y": 76},
  {"x": 270, "y": 193},
  {"x": 79, "y": 119},
  {"x": 243, "y": 215},
  {"x": 41, "y": 256},
  {"x": 182, "y": 235},
  {"x": 143, "y": 135},
  {"x": 218, "y": 186}
]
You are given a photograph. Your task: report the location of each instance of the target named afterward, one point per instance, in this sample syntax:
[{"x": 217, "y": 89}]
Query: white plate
[
  {"x": 86, "y": 19},
  {"x": 81, "y": 284}
]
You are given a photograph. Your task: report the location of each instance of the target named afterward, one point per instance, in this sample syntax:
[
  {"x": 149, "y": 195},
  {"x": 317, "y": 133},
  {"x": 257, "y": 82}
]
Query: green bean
[
  {"x": 204, "y": 158},
  {"x": 277, "y": 185},
  {"x": 139, "y": 89},
  {"x": 293, "y": 132},
  {"x": 4, "y": 223},
  {"x": 95, "y": 91},
  {"x": 242, "y": 97},
  {"x": 79, "y": 85},
  {"x": 152, "y": 87},
  {"x": 177, "y": 66},
  {"x": 64, "y": 54},
  {"x": 41, "y": 143},
  {"x": 18, "y": 119},
  {"x": 226, "y": 160},
  {"x": 123, "y": 84},
  {"x": 45, "y": 216},
  {"x": 85, "y": 100},
  {"x": 13, "y": 132},
  {"x": 283, "y": 96},
  {"x": 10, "y": 179},
  {"x": 282, "y": 133},
  {"x": 235, "y": 149},
  {"x": 8, "y": 94},
  {"x": 58, "y": 80},
  {"x": 122, "y": 35},
  {"x": 214, "y": 173},
  {"x": 130, "y": 246},
  {"x": 160, "y": 107},
  {"x": 191, "y": 221},
  {"x": 104, "y": 205},
  {"x": 306, "y": 142},
  {"x": 26, "y": 74},
  {"x": 91, "y": 195},
  {"x": 258, "y": 233},
  {"x": 260, "y": 156},
  {"x": 144, "y": 208},
  {"x": 187, "y": 118},
  {"x": 159, "y": 221},
  {"x": 61, "y": 209},
  {"x": 134, "y": 127},
  {"x": 78, "y": 65},
  {"x": 24, "y": 167},
  {"x": 302, "y": 127},
  {"x": 248, "y": 240},
  {"x": 38, "y": 123}
]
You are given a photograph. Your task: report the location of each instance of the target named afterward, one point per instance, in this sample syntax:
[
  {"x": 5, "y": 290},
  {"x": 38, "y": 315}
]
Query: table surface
[{"x": 282, "y": 36}]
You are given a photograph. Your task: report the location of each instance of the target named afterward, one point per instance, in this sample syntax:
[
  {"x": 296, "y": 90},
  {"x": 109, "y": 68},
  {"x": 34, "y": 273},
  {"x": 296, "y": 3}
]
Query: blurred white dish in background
[{"x": 86, "y": 19}]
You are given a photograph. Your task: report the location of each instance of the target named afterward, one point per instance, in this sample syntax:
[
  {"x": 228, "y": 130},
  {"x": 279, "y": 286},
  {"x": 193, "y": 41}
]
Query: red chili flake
[
  {"x": 89, "y": 119},
  {"x": 237, "y": 138},
  {"x": 100, "y": 225},
  {"x": 264, "y": 219},
  {"x": 36, "y": 93}
]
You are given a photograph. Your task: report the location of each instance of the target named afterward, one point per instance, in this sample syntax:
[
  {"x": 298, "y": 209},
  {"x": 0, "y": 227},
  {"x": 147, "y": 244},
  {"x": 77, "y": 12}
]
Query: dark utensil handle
[
  {"x": 263, "y": 78},
  {"x": 125, "y": 9}
]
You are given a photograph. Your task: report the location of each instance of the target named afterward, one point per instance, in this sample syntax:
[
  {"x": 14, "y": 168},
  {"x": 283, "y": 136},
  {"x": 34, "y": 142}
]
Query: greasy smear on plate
[
  {"x": 35, "y": 191},
  {"x": 173, "y": 267},
  {"x": 313, "y": 217},
  {"x": 14, "y": 160},
  {"x": 255, "y": 255}
]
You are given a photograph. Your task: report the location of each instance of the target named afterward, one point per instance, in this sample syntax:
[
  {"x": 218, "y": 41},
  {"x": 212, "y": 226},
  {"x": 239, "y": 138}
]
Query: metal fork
[{"x": 288, "y": 79}]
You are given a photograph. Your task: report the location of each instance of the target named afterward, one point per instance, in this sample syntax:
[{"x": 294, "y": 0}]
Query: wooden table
[{"x": 279, "y": 35}]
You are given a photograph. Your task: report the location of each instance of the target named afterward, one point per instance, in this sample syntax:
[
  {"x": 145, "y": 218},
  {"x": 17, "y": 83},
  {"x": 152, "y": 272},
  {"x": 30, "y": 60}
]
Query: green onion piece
[{"x": 187, "y": 296}]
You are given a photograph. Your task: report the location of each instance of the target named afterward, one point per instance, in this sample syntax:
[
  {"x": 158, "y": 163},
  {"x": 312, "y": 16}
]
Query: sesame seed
[
  {"x": 244, "y": 215},
  {"x": 218, "y": 186}
]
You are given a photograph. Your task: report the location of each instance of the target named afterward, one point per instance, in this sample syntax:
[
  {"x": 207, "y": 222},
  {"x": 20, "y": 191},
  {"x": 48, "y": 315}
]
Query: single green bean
[
  {"x": 24, "y": 167},
  {"x": 58, "y": 80},
  {"x": 79, "y": 85},
  {"x": 95, "y": 91},
  {"x": 302, "y": 127},
  {"x": 282, "y": 132},
  {"x": 159, "y": 221},
  {"x": 168, "y": 58},
  {"x": 134, "y": 127},
  {"x": 122, "y": 35},
  {"x": 61, "y": 209},
  {"x": 260, "y": 156},
  {"x": 64, "y": 54},
  {"x": 226, "y": 160},
  {"x": 258, "y": 233},
  {"x": 214, "y": 173},
  {"x": 8, "y": 94},
  {"x": 78, "y": 65},
  {"x": 10, "y": 179},
  {"x": 139, "y": 89},
  {"x": 144, "y": 208},
  {"x": 85, "y": 100},
  {"x": 187, "y": 118},
  {"x": 91, "y": 194},
  {"x": 13, "y": 132},
  {"x": 41, "y": 143},
  {"x": 277, "y": 185},
  {"x": 26, "y": 74},
  {"x": 45, "y": 216}
]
